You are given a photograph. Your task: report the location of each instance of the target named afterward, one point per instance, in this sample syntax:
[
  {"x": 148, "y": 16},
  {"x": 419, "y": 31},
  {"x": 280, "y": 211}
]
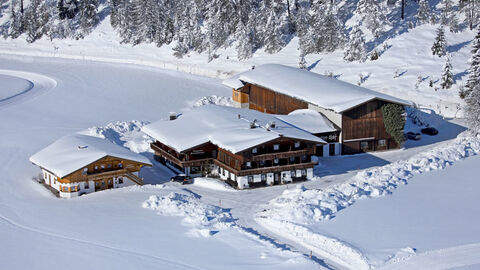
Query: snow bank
[
  {"x": 212, "y": 184},
  {"x": 205, "y": 219},
  {"x": 214, "y": 99},
  {"x": 127, "y": 134},
  {"x": 292, "y": 212}
]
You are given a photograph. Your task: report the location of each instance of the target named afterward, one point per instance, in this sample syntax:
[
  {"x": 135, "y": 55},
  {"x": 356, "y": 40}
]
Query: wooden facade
[
  {"x": 267, "y": 101},
  {"x": 275, "y": 156},
  {"x": 362, "y": 127}
]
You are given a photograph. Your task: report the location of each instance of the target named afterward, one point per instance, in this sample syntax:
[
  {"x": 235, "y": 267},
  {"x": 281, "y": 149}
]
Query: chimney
[
  {"x": 272, "y": 124},
  {"x": 173, "y": 116},
  {"x": 253, "y": 124}
]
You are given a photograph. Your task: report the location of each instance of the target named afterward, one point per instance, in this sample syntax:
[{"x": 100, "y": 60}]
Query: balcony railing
[
  {"x": 271, "y": 156},
  {"x": 181, "y": 163},
  {"x": 271, "y": 169}
]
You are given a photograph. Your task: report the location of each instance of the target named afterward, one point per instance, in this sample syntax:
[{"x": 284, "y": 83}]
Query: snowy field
[
  {"x": 208, "y": 225},
  {"x": 108, "y": 230}
]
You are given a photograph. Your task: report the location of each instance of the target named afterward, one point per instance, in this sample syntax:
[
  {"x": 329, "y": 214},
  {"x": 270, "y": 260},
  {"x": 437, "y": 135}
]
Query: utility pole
[{"x": 403, "y": 9}]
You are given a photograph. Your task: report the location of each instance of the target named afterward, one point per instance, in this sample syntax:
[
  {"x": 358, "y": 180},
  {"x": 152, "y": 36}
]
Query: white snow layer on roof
[
  {"x": 308, "y": 120},
  {"x": 323, "y": 91},
  {"x": 73, "y": 152},
  {"x": 221, "y": 126}
]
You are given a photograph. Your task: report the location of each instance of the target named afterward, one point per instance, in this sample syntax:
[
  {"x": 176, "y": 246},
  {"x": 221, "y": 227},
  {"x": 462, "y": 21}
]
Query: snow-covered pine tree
[
  {"x": 372, "y": 14},
  {"x": 302, "y": 25},
  {"x": 439, "y": 47},
  {"x": 115, "y": 5},
  {"x": 332, "y": 30},
  {"x": 153, "y": 21},
  {"x": 454, "y": 23},
  {"x": 355, "y": 50},
  {"x": 474, "y": 69},
  {"x": 36, "y": 19},
  {"x": 88, "y": 15},
  {"x": 472, "y": 108},
  {"x": 272, "y": 39},
  {"x": 471, "y": 10},
  {"x": 447, "y": 75},
  {"x": 302, "y": 64},
  {"x": 423, "y": 13},
  {"x": 245, "y": 42},
  {"x": 447, "y": 10},
  {"x": 16, "y": 26}
]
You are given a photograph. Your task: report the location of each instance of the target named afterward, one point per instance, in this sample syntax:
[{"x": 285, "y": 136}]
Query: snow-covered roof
[
  {"x": 73, "y": 152},
  {"x": 308, "y": 120},
  {"x": 221, "y": 126},
  {"x": 323, "y": 91}
]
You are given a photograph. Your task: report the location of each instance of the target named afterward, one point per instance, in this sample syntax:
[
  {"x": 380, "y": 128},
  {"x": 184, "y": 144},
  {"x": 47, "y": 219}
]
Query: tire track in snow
[
  {"x": 39, "y": 84},
  {"x": 168, "y": 262}
]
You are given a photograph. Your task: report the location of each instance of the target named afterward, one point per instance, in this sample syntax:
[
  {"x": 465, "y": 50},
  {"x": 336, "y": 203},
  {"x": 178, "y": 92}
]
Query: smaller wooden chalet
[
  {"x": 79, "y": 164},
  {"x": 355, "y": 111},
  {"x": 243, "y": 147}
]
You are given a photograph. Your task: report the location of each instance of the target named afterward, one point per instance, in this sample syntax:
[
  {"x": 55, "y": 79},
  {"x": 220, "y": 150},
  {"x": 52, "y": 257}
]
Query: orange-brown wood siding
[
  {"x": 239, "y": 96},
  {"x": 268, "y": 101},
  {"x": 79, "y": 176},
  {"x": 365, "y": 121}
]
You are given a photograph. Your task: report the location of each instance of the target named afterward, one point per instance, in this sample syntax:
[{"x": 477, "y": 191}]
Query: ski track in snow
[
  {"x": 39, "y": 84},
  {"x": 168, "y": 262}
]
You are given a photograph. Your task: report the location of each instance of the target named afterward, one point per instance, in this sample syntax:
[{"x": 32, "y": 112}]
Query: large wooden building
[
  {"x": 243, "y": 147},
  {"x": 354, "y": 110},
  {"x": 79, "y": 164}
]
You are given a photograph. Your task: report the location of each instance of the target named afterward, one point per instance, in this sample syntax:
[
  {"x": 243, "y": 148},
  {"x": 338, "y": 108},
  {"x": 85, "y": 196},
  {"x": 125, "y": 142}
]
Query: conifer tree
[
  {"x": 474, "y": 69},
  {"x": 88, "y": 15},
  {"x": 447, "y": 11},
  {"x": 302, "y": 64},
  {"x": 36, "y": 19},
  {"x": 355, "y": 50},
  {"x": 439, "y": 47},
  {"x": 423, "y": 13},
  {"x": 332, "y": 30},
  {"x": 16, "y": 26},
  {"x": 372, "y": 15},
  {"x": 472, "y": 108},
  {"x": 447, "y": 75},
  {"x": 273, "y": 41}
]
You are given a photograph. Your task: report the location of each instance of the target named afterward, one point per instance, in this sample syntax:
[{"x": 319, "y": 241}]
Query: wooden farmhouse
[
  {"x": 354, "y": 110},
  {"x": 79, "y": 164},
  {"x": 243, "y": 147}
]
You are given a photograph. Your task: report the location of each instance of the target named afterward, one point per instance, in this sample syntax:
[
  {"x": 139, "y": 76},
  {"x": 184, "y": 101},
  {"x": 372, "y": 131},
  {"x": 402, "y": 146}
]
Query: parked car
[
  {"x": 182, "y": 179},
  {"x": 430, "y": 131},
  {"x": 413, "y": 135}
]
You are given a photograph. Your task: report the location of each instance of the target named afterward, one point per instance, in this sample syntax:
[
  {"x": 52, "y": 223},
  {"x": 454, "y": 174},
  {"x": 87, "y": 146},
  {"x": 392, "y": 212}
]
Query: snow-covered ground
[
  {"x": 110, "y": 229},
  {"x": 104, "y": 85},
  {"x": 405, "y": 68}
]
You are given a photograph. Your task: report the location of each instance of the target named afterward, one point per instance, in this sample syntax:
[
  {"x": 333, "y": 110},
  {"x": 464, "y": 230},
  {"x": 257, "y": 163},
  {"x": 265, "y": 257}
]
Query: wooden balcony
[
  {"x": 106, "y": 174},
  {"x": 272, "y": 156},
  {"x": 181, "y": 163},
  {"x": 272, "y": 169}
]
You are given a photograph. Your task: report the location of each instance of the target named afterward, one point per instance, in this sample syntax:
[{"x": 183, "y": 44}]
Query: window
[
  {"x": 102, "y": 167},
  {"x": 304, "y": 158},
  {"x": 304, "y": 172},
  {"x": 275, "y": 161},
  {"x": 382, "y": 143},
  {"x": 45, "y": 175},
  {"x": 109, "y": 166},
  {"x": 364, "y": 145},
  {"x": 103, "y": 184},
  {"x": 292, "y": 173},
  {"x": 219, "y": 170},
  {"x": 248, "y": 164},
  {"x": 292, "y": 159},
  {"x": 250, "y": 178},
  {"x": 96, "y": 167},
  {"x": 276, "y": 147},
  {"x": 262, "y": 162},
  {"x": 120, "y": 180},
  {"x": 254, "y": 150},
  {"x": 264, "y": 177},
  {"x": 297, "y": 144},
  {"x": 120, "y": 165},
  {"x": 236, "y": 163},
  {"x": 85, "y": 186},
  {"x": 85, "y": 171}
]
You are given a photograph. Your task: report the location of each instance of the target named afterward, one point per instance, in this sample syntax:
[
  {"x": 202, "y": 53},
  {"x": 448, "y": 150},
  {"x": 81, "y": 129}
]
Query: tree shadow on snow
[{"x": 457, "y": 47}]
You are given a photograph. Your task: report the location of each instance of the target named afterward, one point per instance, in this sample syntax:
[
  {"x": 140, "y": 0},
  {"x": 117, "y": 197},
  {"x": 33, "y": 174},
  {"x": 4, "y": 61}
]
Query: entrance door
[{"x": 331, "y": 149}]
